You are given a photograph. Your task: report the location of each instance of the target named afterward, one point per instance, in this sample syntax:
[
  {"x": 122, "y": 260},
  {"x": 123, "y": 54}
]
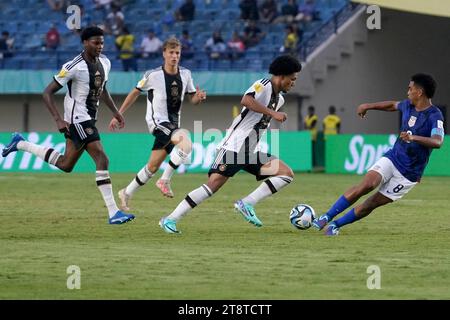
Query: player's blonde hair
[{"x": 172, "y": 42}]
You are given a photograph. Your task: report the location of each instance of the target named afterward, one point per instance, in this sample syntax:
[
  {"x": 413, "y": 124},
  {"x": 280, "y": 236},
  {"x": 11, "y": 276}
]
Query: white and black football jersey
[
  {"x": 165, "y": 94},
  {"x": 85, "y": 84},
  {"x": 249, "y": 126}
]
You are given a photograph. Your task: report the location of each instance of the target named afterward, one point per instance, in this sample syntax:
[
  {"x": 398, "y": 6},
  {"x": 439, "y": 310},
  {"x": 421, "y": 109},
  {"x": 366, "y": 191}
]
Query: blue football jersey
[{"x": 411, "y": 158}]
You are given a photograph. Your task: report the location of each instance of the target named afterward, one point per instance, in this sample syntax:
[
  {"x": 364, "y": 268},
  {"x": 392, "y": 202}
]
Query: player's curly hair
[
  {"x": 91, "y": 32},
  {"x": 426, "y": 82},
  {"x": 284, "y": 65}
]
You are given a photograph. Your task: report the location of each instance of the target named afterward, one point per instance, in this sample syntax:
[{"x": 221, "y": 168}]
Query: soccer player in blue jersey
[{"x": 400, "y": 168}]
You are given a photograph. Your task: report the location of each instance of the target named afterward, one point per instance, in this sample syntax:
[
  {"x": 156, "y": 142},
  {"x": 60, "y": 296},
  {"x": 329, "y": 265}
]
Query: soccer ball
[{"x": 301, "y": 216}]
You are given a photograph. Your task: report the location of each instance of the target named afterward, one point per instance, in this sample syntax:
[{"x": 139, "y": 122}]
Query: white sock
[
  {"x": 141, "y": 178},
  {"x": 194, "y": 198},
  {"x": 267, "y": 188},
  {"x": 177, "y": 157},
  {"x": 47, "y": 154},
  {"x": 104, "y": 185}
]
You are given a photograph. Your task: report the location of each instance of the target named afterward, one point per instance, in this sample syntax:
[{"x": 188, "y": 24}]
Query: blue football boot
[
  {"x": 320, "y": 222},
  {"x": 12, "y": 146},
  {"x": 332, "y": 230},
  {"x": 120, "y": 217}
]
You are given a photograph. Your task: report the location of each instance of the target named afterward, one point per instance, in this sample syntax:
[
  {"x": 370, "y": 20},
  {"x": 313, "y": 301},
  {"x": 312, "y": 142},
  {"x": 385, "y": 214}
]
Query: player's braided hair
[
  {"x": 91, "y": 32},
  {"x": 284, "y": 65}
]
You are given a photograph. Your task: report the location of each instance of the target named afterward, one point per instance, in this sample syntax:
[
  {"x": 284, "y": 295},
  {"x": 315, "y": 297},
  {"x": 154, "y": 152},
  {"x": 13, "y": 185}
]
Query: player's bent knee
[
  {"x": 366, "y": 188},
  {"x": 181, "y": 137},
  {"x": 290, "y": 173},
  {"x": 286, "y": 171}
]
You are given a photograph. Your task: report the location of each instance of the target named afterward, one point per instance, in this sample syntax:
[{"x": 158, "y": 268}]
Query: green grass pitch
[{"x": 52, "y": 221}]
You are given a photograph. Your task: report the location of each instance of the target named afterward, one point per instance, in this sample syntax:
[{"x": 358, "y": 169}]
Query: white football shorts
[{"x": 393, "y": 184}]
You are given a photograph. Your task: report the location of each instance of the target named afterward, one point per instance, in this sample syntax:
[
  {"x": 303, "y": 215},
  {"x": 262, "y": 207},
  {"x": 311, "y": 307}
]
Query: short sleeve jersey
[
  {"x": 85, "y": 84},
  {"x": 165, "y": 94},
  {"x": 411, "y": 158},
  {"x": 249, "y": 126}
]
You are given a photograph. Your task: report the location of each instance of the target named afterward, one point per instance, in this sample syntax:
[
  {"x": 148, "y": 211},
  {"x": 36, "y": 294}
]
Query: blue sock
[
  {"x": 340, "y": 205},
  {"x": 349, "y": 217}
]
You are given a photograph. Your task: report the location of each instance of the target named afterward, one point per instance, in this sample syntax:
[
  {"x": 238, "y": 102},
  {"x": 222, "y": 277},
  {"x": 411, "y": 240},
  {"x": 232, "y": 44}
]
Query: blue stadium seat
[
  {"x": 10, "y": 63},
  {"x": 28, "y": 21}
]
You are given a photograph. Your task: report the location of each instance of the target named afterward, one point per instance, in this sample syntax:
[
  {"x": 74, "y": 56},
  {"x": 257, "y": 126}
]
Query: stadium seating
[{"x": 28, "y": 21}]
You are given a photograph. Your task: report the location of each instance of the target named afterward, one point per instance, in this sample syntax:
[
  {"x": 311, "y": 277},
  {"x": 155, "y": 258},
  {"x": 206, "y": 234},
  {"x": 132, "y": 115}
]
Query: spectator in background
[
  {"x": 288, "y": 12},
  {"x": 102, "y": 4},
  {"x": 151, "y": 45},
  {"x": 249, "y": 10},
  {"x": 6, "y": 45},
  {"x": 236, "y": 46},
  {"x": 58, "y": 5},
  {"x": 52, "y": 38},
  {"x": 125, "y": 44},
  {"x": 306, "y": 11},
  {"x": 311, "y": 120},
  {"x": 115, "y": 20},
  {"x": 290, "y": 41},
  {"x": 168, "y": 20},
  {"x": 186, "y": 12},
  {"x": 252, "y": 34},
  {"x": 331, "y": 123},
  {"x": 298, "y": 31},
  {"x": 269, "y": 11},
  {"x": 215, "y": 46},
  {"x": 187, "y": 46}
]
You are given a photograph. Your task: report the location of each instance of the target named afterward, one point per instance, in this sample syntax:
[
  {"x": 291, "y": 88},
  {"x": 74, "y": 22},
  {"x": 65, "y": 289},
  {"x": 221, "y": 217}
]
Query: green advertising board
[
  {"x": 128, "y": 152},
  {"x": 357, "y": 153}
]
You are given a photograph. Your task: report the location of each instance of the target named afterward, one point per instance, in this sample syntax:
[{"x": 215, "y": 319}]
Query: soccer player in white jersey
[
  {"x": 85, "y": 76},
  {"x": 238, "y": 150},
  {"x": 166, "y": 87}
]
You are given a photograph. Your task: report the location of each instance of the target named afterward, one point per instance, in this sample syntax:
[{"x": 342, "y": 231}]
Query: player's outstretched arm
[
  {"x": 249, "y": 102},
  {"x": 106, "y": 97},
  {"x": 198, "y": 97},
  {"x": 49, "y": 101},
  {"x": 383, "y": 106}
]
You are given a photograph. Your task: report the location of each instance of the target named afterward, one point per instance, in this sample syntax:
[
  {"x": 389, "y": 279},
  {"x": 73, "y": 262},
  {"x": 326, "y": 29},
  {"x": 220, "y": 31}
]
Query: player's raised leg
[
  {"x": 103, "y": 181},
  {"x": 18, "y": 142},
  {"x": 280, "y": 176},
  {"x": 357, "y": 213},
  {"x": 370, "y": 181},
  {"x": 179, "y": 155},
  {"x": 64, "y": 162},
  {"x": 193, "y": 198},
  {"x": 142, "y": 177}
]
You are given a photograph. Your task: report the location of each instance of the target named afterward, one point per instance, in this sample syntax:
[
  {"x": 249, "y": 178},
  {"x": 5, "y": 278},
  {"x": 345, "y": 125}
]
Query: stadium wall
[{"x": 380, "y": 69}]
